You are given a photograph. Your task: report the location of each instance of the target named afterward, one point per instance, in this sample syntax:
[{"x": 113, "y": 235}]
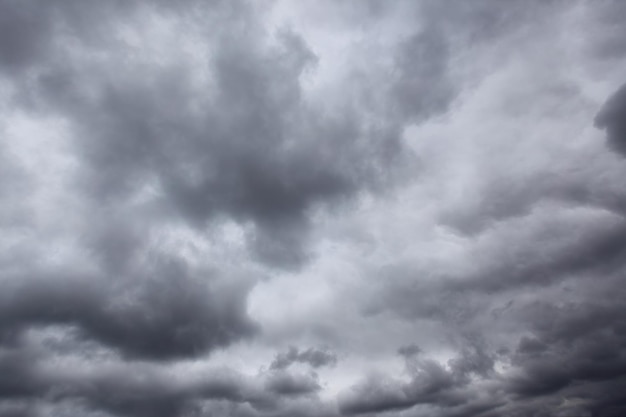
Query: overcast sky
[{"x": 312, "y": 208}]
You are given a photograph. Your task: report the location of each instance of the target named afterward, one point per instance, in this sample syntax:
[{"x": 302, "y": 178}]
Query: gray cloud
[
  {"x": 430, "y": 384},
  {"x": 316, "y": 358},
  {"x": 165, "y": 316},
  {"x": 129, "y": 390},
  {"x": 24, "y": 30},
  {"x": 288, "y": 384},
  {"x": 254, "y": 152},
  {"x": 409, "y": 196},
  {"x": 612, "y": 118},
  {"x": 141, "y": 389},
  {"x": 573, "y": 335},
  {"x": 423, "y": 87}
]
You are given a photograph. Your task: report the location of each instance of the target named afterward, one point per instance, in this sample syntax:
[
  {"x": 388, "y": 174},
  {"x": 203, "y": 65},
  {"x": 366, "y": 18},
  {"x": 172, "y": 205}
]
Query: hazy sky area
[{"x": 312, "y": 208}]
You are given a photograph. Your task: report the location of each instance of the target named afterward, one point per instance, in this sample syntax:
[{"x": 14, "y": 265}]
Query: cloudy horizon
[{"x": 403, "y": 208}]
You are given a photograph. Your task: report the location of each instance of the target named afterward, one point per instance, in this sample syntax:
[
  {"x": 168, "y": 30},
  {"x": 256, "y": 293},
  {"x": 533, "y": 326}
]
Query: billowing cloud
[
  {"x": 316, "y": 358},
  {"x": 314, "y": 208},
  {"x": 165, "y": 316}
]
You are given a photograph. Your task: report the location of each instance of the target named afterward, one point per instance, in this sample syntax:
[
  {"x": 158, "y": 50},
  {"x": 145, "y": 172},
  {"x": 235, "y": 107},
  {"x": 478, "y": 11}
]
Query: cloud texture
[{"x": 315, "y": 208}]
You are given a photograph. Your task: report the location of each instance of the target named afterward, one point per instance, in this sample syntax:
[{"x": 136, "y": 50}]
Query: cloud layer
[{"x": 238, "y": 208}]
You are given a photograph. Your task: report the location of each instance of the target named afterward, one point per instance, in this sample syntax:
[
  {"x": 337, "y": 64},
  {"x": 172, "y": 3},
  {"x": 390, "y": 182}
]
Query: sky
[{"x": 312, "y": 208}]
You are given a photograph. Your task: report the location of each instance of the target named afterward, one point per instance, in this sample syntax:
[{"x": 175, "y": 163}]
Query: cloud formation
[
  {"x": 315, "y": 208},
  {"x": 316, "y": 358},
  {"x": 612, "y": 118}
]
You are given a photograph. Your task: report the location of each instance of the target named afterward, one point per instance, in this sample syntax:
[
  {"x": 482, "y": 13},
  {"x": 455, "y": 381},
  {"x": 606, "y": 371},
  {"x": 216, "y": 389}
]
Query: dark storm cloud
[
  {"x": 612, "y": 118},
  {"x": 186, "y": 118},
  {"x": 430, "y": 385},
  {"x": 578, "y": 342},
  {"x": 148, "y": 392},
  {"x": 316, "y": 358},
  {"x": 248, "y": 148},
  {"x": 571, "y": 343},
  {"x": 143, "y": 389},
  {"x": 576, "y": 347},
  {"x": 17, "y": 379},
  {"x": 584, "y": 363},
  {"x": 255, "y": 151},
  {"x": 124, "y": 390},
  {"x": 167, "y": 315},
  {"x": 573, "y": 347}
]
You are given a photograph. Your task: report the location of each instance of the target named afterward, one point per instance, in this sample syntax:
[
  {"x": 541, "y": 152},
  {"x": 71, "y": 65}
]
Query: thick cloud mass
[
  {"x": 314, "y": 208},
  {"x": 612, "y": 117}
]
